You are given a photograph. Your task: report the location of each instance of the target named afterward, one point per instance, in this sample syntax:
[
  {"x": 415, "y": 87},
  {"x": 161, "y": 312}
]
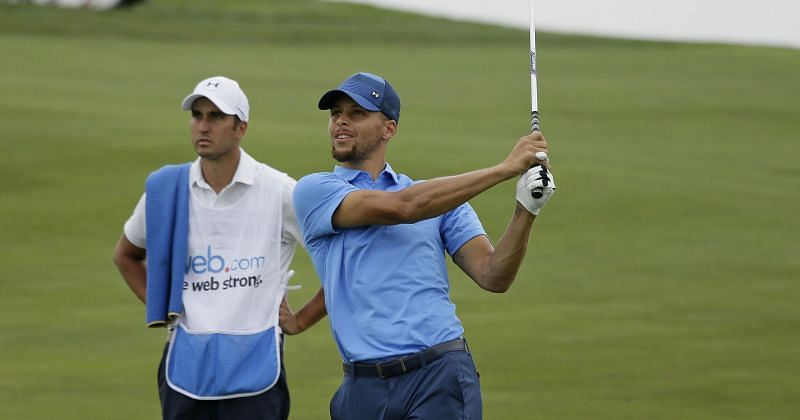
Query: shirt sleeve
[
  {"x": 291, "y": 229},
  {"x": 135, "y": 228},
  {"x": 459, "y": 226},
  {"x": 316, "y": 198}
]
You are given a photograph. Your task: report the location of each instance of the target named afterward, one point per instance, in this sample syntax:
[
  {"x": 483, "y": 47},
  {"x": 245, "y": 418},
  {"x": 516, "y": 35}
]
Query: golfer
[
  {"x": 208, "y": 249},
  {"x": 378, "y": 241}
]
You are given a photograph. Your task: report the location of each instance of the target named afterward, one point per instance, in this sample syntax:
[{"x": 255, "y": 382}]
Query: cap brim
[
  {"x": 189, "y": 100},
  {"x": 327, "y": 100}
]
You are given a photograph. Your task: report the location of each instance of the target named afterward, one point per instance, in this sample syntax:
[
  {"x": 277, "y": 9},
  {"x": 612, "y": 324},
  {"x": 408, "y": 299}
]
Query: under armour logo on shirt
[{"x": 376, "y": 94}]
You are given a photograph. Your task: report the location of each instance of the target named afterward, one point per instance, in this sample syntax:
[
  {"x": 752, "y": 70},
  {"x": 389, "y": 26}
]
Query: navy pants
[
  {"x": 447, "y": 388},
  {"x": 272, "y": 404}
]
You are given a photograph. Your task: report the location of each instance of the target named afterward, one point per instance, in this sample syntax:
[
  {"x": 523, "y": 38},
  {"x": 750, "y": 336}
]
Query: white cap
[{"x": 224, "y": 93}]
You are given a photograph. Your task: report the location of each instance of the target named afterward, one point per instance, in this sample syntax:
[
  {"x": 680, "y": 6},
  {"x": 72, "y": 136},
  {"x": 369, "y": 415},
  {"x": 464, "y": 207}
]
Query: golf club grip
[{"x": 537, "y": 192}]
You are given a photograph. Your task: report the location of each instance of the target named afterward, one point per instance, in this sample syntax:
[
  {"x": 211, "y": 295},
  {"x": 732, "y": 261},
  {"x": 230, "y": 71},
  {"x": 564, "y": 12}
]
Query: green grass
[{"x": 661, "y": 281}]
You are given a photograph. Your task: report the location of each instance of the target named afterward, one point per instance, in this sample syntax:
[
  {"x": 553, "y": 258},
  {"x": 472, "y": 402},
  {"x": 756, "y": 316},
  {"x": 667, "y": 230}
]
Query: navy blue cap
[{"x": 371, "y": 92}]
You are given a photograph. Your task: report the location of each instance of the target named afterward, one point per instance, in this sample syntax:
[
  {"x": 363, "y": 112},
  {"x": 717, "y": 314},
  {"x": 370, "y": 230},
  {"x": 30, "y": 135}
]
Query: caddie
[{"x": 208, "y": 250}]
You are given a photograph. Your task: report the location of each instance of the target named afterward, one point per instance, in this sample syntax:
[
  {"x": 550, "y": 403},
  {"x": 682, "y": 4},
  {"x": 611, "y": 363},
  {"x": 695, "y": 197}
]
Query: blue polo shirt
[{"x": 386, "y": 287}]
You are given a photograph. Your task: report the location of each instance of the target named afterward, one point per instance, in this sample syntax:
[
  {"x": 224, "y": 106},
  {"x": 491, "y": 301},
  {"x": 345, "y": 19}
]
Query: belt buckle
[{"x": 380, "y": 370}]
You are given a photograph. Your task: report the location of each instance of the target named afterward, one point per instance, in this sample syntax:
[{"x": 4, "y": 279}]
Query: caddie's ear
[{"x": 241, "y": 129}]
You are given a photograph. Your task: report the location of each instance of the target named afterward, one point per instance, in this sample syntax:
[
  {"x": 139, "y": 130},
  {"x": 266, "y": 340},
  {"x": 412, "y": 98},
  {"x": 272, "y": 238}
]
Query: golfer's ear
[{"x": 389, "y": 129}]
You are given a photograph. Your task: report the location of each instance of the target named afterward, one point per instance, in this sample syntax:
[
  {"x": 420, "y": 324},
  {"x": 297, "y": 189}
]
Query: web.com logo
[{"x": 211, "y": 263}]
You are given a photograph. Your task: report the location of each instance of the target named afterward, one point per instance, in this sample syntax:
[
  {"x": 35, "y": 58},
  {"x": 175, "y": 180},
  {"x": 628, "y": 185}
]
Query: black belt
[{"x": 405, "y": 364}]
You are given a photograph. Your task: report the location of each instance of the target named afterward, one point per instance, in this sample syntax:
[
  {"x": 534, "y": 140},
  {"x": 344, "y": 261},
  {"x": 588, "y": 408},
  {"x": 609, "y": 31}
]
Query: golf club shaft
[
  {"x": 537, "y": 192},
  {"x": 534, "y": 99}
]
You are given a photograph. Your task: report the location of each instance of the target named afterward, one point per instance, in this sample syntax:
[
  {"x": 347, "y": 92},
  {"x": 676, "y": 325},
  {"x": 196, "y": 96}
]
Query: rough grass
[{"x": 661, "y": 281}]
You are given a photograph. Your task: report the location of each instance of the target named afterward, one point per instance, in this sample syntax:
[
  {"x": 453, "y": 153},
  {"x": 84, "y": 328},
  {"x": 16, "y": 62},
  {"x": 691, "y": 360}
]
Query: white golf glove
[{"x": 536, "y": 177}]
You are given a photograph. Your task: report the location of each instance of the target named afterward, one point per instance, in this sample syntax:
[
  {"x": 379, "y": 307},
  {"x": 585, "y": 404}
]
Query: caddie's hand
[
  {"x": 523, "y": 156},
  {"x": 287, "y": 319},
  {"x": 536, "y": 177}
]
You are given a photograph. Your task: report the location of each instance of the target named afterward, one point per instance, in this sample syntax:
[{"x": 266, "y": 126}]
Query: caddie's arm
[
  {"x": 312, "y": 312},
  {"x": 436, "y": 196},
  {"x": 130, "y": 260}
]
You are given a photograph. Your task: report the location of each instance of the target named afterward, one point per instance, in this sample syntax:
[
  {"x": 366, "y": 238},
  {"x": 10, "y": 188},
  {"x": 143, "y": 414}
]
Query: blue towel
[{"x": 167, "y": 220}]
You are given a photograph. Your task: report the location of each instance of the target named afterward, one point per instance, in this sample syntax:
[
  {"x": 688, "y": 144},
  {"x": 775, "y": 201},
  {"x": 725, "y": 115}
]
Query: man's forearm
[
  {"x": 135, "y": 274},
  {"x": 510, "y": 251},
  {"x": 312, "y": 312},
  {"x": 130, "y": 260},
  {"x": 433, "y": 197}
]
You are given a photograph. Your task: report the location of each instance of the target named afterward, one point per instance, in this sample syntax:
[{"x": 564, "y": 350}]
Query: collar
[
  {"x": 349, "y": 174},
  {"x": 245, "y": 172}
]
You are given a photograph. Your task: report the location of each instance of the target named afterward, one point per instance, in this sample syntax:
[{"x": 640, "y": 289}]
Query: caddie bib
[{"x": 226, "y": 343}]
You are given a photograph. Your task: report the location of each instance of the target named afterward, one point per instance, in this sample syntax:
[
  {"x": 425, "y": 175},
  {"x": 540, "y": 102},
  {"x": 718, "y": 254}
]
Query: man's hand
[
  {"x": 287, "y": 319},
  {"x": 523, "y": 156},
  {"x": 535, "y": 178}
]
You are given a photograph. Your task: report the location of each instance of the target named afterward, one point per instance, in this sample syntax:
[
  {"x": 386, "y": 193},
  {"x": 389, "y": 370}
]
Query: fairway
[{"x": 661, "y": 281}]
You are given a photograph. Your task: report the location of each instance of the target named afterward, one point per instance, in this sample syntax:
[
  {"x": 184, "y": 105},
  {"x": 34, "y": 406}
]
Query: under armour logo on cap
[
  {"x": 224, "y": 93},
  {"x": 376, "y": 94}
]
